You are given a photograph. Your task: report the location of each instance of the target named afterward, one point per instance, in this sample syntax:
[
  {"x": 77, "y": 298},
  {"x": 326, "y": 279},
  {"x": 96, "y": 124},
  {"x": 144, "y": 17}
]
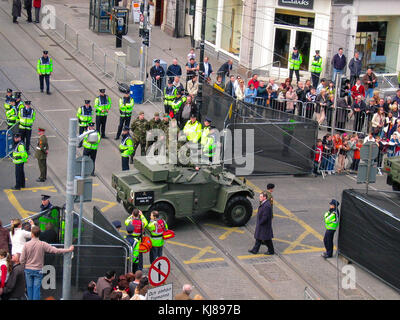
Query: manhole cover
[{"x": 271, "y": 272}]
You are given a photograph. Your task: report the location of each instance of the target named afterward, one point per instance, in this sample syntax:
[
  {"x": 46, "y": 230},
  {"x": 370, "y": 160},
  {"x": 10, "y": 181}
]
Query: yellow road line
[
  {"x": 189, "y": 246},
  {"x": 228, "y": 230},
  {"x": 203, "y": 260},
  {"x": 252, "y": 256},
  {"x": 109, "y": 205},
  {"x": 13, "y": 199}
]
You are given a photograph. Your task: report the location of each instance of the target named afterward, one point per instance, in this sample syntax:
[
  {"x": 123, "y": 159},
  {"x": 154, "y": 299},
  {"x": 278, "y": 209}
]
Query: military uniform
[
  {"x": 154, "y": 125},
  {"x": 41, "y": 155},
  {"x": 139, "y": 129},
  {"x": 102, "y": 105},
  {"x": 26, "y": 117}
]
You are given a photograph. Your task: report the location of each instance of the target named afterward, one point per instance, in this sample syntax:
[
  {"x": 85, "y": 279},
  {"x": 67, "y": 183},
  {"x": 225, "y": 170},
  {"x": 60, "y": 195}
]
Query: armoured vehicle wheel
[
  {"x": 128, "y": 207},
  {"x": 396, "y": 186},
  {"x": 237, "y": 212},
  {"x": 166, "y": 212}
]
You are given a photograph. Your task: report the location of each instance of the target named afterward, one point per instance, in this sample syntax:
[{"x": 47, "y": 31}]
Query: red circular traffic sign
[{"x": 159, "y": 271}]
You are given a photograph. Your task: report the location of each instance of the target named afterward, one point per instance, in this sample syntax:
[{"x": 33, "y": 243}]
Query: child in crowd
[
  {"x": 356, "y": 156},
  {"x": 318, "y": 156}
]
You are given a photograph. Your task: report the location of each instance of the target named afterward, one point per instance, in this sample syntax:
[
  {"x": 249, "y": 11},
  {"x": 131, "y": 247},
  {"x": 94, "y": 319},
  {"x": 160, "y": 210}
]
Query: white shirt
[
  {"x": 206, "y": 66},
  {"x": 18, "y": 240},
  {"x": 367, "y": 139}
]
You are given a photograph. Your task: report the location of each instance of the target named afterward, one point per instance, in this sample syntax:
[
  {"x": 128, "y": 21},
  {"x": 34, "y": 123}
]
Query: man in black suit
[
  {"x": 224, "y": 70},
  {"x": 264, "y": 233},
  {"x": 205, "y": 70}
]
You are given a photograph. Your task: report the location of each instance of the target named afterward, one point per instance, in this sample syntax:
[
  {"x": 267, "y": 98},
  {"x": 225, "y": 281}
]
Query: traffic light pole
[
  {"x": 143, "y": 48},
  {"x": 199, "y": 99},
  {"x": 69, "y": 207}
]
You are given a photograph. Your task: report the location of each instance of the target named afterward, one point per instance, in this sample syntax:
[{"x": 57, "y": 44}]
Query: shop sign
[{"x": 299, "y": 4}]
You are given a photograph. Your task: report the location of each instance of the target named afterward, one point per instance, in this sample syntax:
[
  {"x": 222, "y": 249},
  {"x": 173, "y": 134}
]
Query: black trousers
[
  {"x": 101, "y": 125},
  {"x": 19, "y": 175},
  {"x": 29, "y": 12},
  {"x": 139, "y": 265},
  {"x": 125, "y": 163},
  {"x": 92, "y": 155},
  {"x": 155, "y": 252},
  {"x": 268, "y": 243},
  {"x": 315, "y": 79},
  {"x": 291, "y": 75},
  {"x": 41, "y": 81},
  {"x": 26, "y": 137},
  {"x": 353, "y": 79},
  {"x": 328, "y": 242},
  {"x": 123, "y": 121},
  {"x": 359, "y": 118}
]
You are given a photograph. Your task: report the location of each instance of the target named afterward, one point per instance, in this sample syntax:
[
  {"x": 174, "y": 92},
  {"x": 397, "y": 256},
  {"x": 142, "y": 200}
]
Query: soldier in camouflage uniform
[
  {"x": 139, "y": 128},
  {"x": 155, "y": 123}
]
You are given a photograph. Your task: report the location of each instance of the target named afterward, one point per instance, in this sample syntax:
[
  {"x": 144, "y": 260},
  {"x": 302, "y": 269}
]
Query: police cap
[
  {"x": 9, "y": 90},
  {"x": 130, "y": 228},
  {"x": 294, "y": 48},
  {"x": 208, "y": 119},
  {"x": 12, "y": 100},
  {"x": 45, "y": 52},
  {"x": 17, "y": 94},
  {"x": 117, "y": 224},
  {"x": 102, "y": 90},
  {"x": 193, "y": 115},
  {"x": 317, "y": 51},
  {"x": 91, "y": 124},
  {"x": 28, "y": 102},
  {"x": 17, "y": 135},
  {"x": 87, "y": 101},
  {"x": 334, "y": 203},
  {"x": 45, "y": 197},
  {"x": 157, "y": 61}
]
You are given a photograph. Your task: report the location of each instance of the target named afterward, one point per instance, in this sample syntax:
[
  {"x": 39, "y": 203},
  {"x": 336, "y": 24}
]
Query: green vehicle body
[
  {"x": 178, "y": 191},
  {"x": 392, "y": 168}
]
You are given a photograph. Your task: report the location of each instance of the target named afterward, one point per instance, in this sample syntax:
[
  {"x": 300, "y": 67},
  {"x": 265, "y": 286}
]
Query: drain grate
[
  {"x": 272, "y": 272},
  {"x": 258, "y": 260},
  {"x": 208, "y": 265}
]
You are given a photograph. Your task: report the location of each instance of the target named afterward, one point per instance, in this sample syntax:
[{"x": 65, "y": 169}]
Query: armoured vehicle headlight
[{"x": 132, "y": 195}]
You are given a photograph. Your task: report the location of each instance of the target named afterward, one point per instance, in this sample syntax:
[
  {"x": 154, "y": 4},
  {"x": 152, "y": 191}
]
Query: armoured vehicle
[
  {"x": 178, "y": 191},
  {"x": 392, "y": 168}
]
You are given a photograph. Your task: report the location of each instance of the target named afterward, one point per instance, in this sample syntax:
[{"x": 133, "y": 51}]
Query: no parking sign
[{"x": 159, "y": 271}]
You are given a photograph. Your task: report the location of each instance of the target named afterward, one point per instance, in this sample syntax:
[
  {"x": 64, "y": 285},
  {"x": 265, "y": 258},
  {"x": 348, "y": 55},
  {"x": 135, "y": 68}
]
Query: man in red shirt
[
  {"x": 254, "y": 81},
  {"x": 318, "y": 156},
  {"x": 358, "y": 89}
]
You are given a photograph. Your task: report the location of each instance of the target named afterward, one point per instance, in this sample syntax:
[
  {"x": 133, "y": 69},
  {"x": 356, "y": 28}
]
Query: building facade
[{"x": 260, "y": 34}]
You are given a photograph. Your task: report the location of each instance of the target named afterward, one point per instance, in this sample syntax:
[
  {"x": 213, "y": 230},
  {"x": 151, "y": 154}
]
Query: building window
[
  {"x": 294, "y": 20},
  {"x": 211, "y": 21},
  {"x": 232, "y": 26}
]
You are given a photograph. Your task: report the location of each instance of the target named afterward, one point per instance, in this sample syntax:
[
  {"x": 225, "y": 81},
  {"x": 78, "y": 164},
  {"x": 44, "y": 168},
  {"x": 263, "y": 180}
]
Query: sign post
[{"x": 159, "y": 271}]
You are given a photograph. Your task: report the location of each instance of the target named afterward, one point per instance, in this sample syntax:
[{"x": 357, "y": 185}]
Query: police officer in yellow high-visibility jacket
[
  {"x": 156, "y": 227},
  {"x": 26, "y": 117},
  {"x": 208, "y": 140},
  {"x": 316, "y": 69},
  {"x": 44, "y": 69},
  {"x": 139, "y": 223},
  {"x": 331, "y": 219},
  {"x": 9, "y": 97},
  {"x": 295, "y": 60},
  {"x": 126, "y": 104},
  {"x": 90, "y": 148},
  {"x": 192, "y": 129},
  {"x": 19, "y": 157},
  {"x": 102, "y": 105},
  {"x": 126, "y": 148}
]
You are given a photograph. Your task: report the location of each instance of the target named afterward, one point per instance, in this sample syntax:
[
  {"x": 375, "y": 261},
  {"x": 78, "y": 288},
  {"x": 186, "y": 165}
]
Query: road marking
[
  {"x": 63, "y": 79},
  {"x": 56, "y": 110},
  {"x": 109, "y": 205},
  {"x": 308, "y": 229},
  {"x": 228, "y": 230},
  {"x": 201, "y": 253},
  {"x": 13, "y": 199},
  {"x": 189, "y": 246},
  {"x": 252, "y": 256}
]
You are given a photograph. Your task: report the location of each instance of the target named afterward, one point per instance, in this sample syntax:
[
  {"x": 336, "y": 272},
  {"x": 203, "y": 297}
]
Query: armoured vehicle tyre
[
  {"x": 389, "y": 180},
  {"x": 128, "y": 207},
  {"x": 238, "y": 211},
  {"x": 166, "y": 212},
  {"x": 396, "y": 186}
]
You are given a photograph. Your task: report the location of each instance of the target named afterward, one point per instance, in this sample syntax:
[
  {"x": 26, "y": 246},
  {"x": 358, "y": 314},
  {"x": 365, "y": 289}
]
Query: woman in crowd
[
  {"x": 19, "y": 236},
  {"x": 291, "y": 96}
]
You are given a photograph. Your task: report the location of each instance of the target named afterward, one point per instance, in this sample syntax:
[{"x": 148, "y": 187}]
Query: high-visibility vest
[
  {"x": 12, "y": 116},
  {"x": 331, "y": 221},
  {"x": 169, "y": 95},
  {"x": 51, "y": 217},
  {"x": 204, "y": 135},
  {"x": 26, "y": 118},
  {"x": 102, "y": 109},
  {"x": 177, "y": 103},
  {"x": 138, "y": 224},
  {"x": 19, "y": 154},
  {"x": 294, "y": 64},
  {"x": 43, "y": 67},
  {"x": 19, "y": 105},
  {"x": 85, "y": 116},
  {"x": 126, "y": 146},
  {"x": 316, "y": 65},
  {"x": 7, "y": 104},
  {"x": 88, "y": 145},
  {"x": 125, "y": 109},
  {"x": 209, "y": 146},
  {"x": 192, "y": 131},
  {"x": 157, "y": 228}
]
